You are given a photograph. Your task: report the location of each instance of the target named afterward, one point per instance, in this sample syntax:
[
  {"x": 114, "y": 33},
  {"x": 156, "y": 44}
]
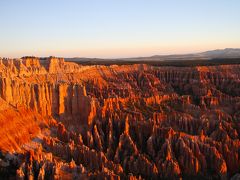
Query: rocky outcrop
[
  {"x": 61, "y": 100},
  {"x": 121, "y": 122}
]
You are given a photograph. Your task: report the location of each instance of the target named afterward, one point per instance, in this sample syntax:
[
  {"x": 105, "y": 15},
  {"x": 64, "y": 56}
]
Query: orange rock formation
[{"x": 61, "y": 119}]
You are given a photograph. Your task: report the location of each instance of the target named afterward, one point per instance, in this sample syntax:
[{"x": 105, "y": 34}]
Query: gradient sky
[{"x": 116, "y": 28}]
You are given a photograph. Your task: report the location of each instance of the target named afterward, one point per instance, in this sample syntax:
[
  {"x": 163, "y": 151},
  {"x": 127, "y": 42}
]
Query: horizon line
[{"x": 126, "y": 57}]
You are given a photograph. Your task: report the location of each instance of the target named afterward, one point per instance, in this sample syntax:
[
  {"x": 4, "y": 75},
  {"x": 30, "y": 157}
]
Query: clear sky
[{"x": 116, "y": 28}]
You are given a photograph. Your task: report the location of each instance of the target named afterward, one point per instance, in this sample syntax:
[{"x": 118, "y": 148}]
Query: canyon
[{"x": 63, "y": 120}]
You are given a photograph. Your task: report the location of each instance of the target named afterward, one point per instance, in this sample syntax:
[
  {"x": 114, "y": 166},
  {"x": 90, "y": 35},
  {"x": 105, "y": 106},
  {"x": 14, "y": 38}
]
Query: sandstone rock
[{"x": 128, "y": 122}]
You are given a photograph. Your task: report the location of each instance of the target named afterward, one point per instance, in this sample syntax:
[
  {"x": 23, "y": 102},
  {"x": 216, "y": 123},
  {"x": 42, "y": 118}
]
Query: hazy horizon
[
  {"x": 107, "y": 29},
  {"x": 122, "y": 57}
]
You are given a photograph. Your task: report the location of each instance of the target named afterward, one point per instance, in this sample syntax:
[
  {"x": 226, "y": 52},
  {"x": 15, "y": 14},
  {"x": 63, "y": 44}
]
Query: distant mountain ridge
[
  {"x": 207, "y": 55},
  {"x": 223, "y": 53}
]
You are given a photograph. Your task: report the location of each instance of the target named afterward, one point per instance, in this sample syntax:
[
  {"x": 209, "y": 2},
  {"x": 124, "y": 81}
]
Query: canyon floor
[{"x": 64, "y": 120}]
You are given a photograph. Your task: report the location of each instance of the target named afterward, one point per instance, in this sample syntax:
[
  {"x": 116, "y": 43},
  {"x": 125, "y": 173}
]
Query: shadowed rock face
[{"x": 64, "y": 120}]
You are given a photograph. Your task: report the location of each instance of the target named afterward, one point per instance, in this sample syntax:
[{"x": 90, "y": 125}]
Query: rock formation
[{"x": 61, "y": 119}]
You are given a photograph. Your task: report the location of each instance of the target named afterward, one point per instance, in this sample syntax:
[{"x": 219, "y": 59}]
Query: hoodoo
[{"x": 62, "y": 119}]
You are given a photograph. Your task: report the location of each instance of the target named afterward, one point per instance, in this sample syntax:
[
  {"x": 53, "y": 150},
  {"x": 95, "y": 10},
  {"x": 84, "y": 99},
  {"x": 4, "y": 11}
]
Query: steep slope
[{"x": 18, "y": 126}]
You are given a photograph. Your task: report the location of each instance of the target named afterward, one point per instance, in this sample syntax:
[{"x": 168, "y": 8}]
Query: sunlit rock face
[{"x": 62, "y": 120}]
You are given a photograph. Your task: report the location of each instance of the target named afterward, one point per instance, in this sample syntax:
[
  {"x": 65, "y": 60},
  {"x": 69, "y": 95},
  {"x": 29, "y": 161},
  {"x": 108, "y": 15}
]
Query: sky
[{"x": 117, "y": 28}]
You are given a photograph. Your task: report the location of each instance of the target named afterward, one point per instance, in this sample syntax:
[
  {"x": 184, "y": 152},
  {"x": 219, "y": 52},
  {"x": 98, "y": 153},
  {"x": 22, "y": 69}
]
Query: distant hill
[
  {"x": 214, "y": 54},
  {"x": 222, "y": 53}
]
